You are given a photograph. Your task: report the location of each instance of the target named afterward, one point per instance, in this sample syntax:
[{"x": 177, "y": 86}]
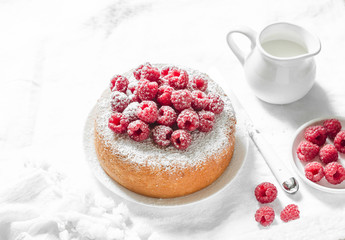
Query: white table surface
[{"x": 57, "y": 57}]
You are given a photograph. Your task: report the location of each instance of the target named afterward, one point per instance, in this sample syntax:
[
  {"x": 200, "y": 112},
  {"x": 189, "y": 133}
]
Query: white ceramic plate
[
  {"x": 298, "y": 165},
  {"x": 220, "y": 184}
]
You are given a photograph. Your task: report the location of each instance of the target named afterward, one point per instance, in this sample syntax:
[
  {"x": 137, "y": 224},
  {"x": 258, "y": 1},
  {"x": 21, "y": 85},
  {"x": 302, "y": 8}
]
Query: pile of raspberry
[
  {"x": 321, "y": 157},
  {"x": 166, "y": 105},
  {"x": 266, "y": 193}
]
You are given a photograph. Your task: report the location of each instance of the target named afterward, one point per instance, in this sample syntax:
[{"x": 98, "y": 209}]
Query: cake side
[{"x": 157, "y": 181}]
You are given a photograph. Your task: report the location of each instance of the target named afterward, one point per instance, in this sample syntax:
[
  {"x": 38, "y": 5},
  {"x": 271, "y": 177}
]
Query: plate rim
[
  {"x": 292, "y": 159},
  {"x": 239, "y": 129}
]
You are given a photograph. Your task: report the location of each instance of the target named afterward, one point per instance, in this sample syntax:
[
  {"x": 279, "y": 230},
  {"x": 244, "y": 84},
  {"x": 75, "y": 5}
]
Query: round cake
[{"x": 190, "y": 156}]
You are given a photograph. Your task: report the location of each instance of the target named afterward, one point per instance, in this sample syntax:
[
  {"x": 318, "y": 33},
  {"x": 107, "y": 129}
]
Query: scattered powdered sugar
[
  {"x": 132, "y": 85},
  {"x": 119, "y": 100},
  {"x": 148, "y": 153},
  {"x": 131, "y": 111}
]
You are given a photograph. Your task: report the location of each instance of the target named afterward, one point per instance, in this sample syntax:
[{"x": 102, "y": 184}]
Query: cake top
[{"x": 187, "y": 115}]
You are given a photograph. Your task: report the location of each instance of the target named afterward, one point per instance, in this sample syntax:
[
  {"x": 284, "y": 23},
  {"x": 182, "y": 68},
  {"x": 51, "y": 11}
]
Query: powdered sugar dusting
[
  {"x": 119, "y": 101},
  {"x": 131, "y": 111},
  {"x": 149, "y": 154}
]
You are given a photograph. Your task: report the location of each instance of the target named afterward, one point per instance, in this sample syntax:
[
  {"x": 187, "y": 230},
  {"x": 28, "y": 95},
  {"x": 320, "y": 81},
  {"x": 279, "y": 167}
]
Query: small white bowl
[{"x": 298, "y": 165}]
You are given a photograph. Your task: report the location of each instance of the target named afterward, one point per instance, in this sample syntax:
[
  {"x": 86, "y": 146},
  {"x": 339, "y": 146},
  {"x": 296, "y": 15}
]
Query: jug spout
[{"x": 286, "y": 41}]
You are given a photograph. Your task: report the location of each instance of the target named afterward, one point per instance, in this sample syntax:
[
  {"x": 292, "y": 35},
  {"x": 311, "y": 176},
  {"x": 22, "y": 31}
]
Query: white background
[{"x": 56, "y": 58}]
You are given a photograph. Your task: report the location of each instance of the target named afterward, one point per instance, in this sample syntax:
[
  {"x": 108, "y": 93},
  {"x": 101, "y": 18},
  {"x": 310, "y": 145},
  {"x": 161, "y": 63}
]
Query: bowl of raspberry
[{"x": 318, "y": 154}]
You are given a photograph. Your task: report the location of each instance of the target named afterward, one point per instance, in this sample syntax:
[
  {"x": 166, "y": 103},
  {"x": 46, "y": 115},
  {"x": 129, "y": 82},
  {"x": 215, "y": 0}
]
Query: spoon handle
[{"x": 281, "y": 173}]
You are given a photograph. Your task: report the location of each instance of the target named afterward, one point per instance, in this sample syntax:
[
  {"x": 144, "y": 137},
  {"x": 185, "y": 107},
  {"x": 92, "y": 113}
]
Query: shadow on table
[
  {"x": 315, "y": 104},
  {"x": 332, "y": 200}
]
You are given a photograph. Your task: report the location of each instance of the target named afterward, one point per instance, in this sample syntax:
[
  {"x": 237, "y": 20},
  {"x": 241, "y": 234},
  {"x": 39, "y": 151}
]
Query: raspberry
[
  {"x": 328, "y": 153},
  {"x": 119, "y": 83},
  {"x": 314, "y": 171},
  {"x": 316, "y": 134},
  {"x": 307, "y": 151},
  {"x": 118, "y": 123},
  {"x": 188, "y": 120},
  {"x": 147, "y": 111},
  {"x": 266, "y": 192},
  {"x": 181, "y": 139},
  {"x": 206, "y": 121},
  {"x": 166, "y": 116},
  {"x": 199, "y": 83},
  {"x": 264, "y": 216},
  {"x": 177, "y": 78},
  {"x": 137, "y": 72},
  {"x": 216, "y": 104},
  {"x": 119, "y": 101},
  {"x": 164, "y": 95},
  {"x": 131, "y": 111},
  {"x": 150, "y": 73},
  {"x": 290, "y": 212},
  {"x": 339, "y": 141},
  {"x": 332, "y": 126},
  {"x": 199, "y": 100},
  {"x": 181, "y": 99},
  {"x": 147, "y": 90},
  {"x": 146, "y": 71},
  {"x": 138, "y": 130},
  {"x": 334, "y": 173},
  {"x": 161, "y": 135},
  {"x": 165, "y": 71}
]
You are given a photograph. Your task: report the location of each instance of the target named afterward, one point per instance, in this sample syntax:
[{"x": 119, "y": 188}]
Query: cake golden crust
[
  {"x": 156, "y": 182},
  {"x": 147, "y": 169}
]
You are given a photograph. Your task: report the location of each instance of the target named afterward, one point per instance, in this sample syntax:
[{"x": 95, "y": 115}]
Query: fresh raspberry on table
[
  {"x": 164, "y": 95},
  {"x": 118, "y": 123},
  {"x": 328, "y": 153},
  {"x": 188, "y": 120},
  {"x": 119, "y": 101},
  {"x": 339, "y": 141},
  {"x": 265, "y": 192},
  {"x": 147, "y": 111},
  {"x": 181, "y": 99},
  {"x": 215, "y": 104},
  {"x": 314, "y": 171},
  {"x": 316, "y": 134},
  {"x": 181, "y": 139},
  {"x": 199, "y": 83},
  {"x": 131, "y": 111},
  {"x": 147, "y": 90},
  {"x": 150, "y": 73},
  {"x": 119, "y": 83},
  {"x": 307, "y": 151},
  {"x": 177, "y": 78},
  {"x": 199, "y": 100},
  {"x": 206, "y": 121},
  {"x": 166, "y": 116},
  {"x": 264, "y": 216},
  {"x": 334, "y": 173},
  {"x": 290, "y": 212},
  {"x": 332, "y": 126},
  {"x": 138, "y": 130},
  {"x": 161, "y": 135}
]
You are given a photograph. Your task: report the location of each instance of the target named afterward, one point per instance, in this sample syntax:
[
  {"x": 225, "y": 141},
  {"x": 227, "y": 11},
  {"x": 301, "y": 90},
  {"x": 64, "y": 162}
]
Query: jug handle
[{"x": 246, "y": 31}]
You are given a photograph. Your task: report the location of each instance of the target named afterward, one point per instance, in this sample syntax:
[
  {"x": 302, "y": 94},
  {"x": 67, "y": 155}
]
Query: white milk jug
[{"x": 280, "y": 68}]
